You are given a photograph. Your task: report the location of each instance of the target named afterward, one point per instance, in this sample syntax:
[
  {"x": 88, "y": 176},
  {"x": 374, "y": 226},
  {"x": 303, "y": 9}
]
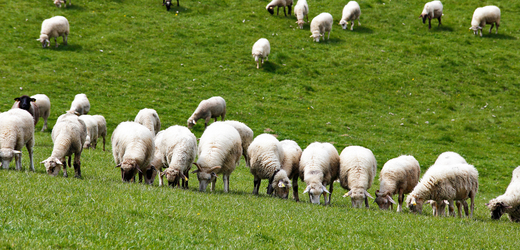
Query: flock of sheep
[{"x": 141, "y": 148}]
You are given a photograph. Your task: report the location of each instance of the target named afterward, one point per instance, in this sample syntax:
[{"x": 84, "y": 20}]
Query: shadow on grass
[
  {"x": 70, "y": 47},
  {"x": 174, "y": 9},
  {"x": 270, "y": 67},
  {"x": 443, "y": 28},
  {"x": 73, "y": 7},
  {"x": 498, "y": 36}
]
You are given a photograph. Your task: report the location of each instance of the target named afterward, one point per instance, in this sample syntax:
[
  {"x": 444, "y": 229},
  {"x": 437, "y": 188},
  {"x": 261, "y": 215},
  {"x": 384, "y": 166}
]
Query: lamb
[
  {"x": 279, "y": 3},
  {"x": 321, "y": 24},
  {"x": 44, "y": 108},
  {"x": 64, "y": 2},
  {"x": 246, "y": 136},
  {"x": 219, "y": 152},
  {"x": 291, "y": 163},
  {"x": 68, "y": 136},
  {"x": 485, "y": 15},
  {"x": 509, "y": 202},
  {"x": 319, "y": 166},
  {"x": 207, "y": 109},
  {"x": 351, "y": 12},
  {"x": 175, "y": 149},
  {"x": 168, "y": 4},
  {"x": 398, "y": 176},
  {"x": 54, "y": 27},
  {"x": 16, "y": 130},
  {"x": 261, "y": 50},
  {"x": 102, "y": 128},
  {"x": 301, "y": 10},
  {"x": 432, "y": 10},
  {"x": 150, "y": 119},
  {"x": 80, "y": 105},
  {"x": 92, "y": 131},
  {"x": 358, "y": 168},
  {"x": 28, "y": 104},
  {"x": 133, "y": 150}
]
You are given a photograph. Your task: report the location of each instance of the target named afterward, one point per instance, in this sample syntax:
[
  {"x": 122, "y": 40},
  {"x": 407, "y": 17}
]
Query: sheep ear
[
  {"x": 367, "y": 194},
  {"x": 311, "y": 36},
  {"x": 43, "y": 162},
  {"x": 118, "y": 165},
  {"x": 162, "y": 174},
  {"x": 307, "y": 189},
  {"x": 17, "y": 99},
  {"x": 17, "y": 152},
  {"x": 347, "y": 194},
  {"x": 199, "y": 169},
  {"x": 183, "y": 176},
  {"x": 33, "y": 100},
  {"x": 38, "y": 39},
  {"x": 390, "y": 199},
  {"x": 324, "y": 189}
]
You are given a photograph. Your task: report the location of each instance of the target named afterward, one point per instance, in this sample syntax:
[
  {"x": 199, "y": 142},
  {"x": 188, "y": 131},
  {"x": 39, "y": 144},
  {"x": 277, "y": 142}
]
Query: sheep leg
[
  {"x": 328, "y": 37},
  {"x": 256, "y": 185},
  {"x": 366, "y": 202},
  {"x": 289, "y": 7},
  {"x": 18, "y": 161},
  {"x": 225, "y": 179},
  {"x": 451, "y": 208},
  {"x": 56, "y": 42},
  {"x": 277, "y": 10},
  {"x": 44, "y": 124},
  {"x": 352, "y": 26},
  {"x": 257, "y": 65},
  {"x": 331, "y": 188},
  {"x": 429, "y": 23},
  {"x": 497, "y": 28},
  {"x": 472, "y": 197},
  {"x": 206, "y": 122},
  {"x": 77, "y": 165},
  {"x": 439, "y": 21},
  {"x": 103, "y": 143},
  {"x": 284, "y": 12},
  {"x": 213, "y": 185},
  {"x": 140, "y": 177},
  {"x": 65, "y": 168},
  {"x": 400, "y": 199},
  {"x": 295, "y": 188},
  {"x": 177, "y": 3},
  {"x": 65, "y": 39},
  {"x": 492, "y": 25},
  {"x": 459, "y": 208},
  {"x": 30, "y": 150}
]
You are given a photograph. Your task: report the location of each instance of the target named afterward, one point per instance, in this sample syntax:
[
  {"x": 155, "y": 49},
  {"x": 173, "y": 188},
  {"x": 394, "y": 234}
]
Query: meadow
[{"x": 391, "y": 85}]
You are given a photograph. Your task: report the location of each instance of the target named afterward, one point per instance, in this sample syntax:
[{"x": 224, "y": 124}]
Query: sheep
[
  {"x": 133, "y": 150},
  {"x": 261, "y": 50},
  {"x": 321, "y": 24},
  {"x": 92, "y": 131},
  {"x": 68, "y": 135},
  {"x": 28, "y": 104},
  {"x": 150, "y": 119},
  {"x": 54, "y": 27},
  {"x": 432, "y": 10},
  {"x": 102, "y": 128},
  {"x": 207, "y": 109},
  {"x": 351, "y": 12},
  {"x": 80, "y": 105},
  {"x": 64, "y": 2},
  {"x": 301, "y": 10},
  {"x": 246, "y": 136},
  {"x": 319, "y": 166},
  {"x": 219, "y": 152},
  {"x": 509, "y": 202},
  {"x": 175, "y": 149},
  {"x": 398, "y": 176},
  {"x": 44, "y": 108},
  {"x": 291, "y": 163},
  {"x": 16, "y": 130},
  {"x": 485, "y": 15},
  {"x": 168, "y": 4},
  {"x": 358, "y": 168},
  {"x": 445, "y": 182},
  {"x": 279, "y": 3}
]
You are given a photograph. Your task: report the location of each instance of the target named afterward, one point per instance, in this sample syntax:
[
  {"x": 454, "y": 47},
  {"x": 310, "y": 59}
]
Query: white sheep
[
  {"x": 16, "y": 131},
  {"x": 320, "y": 25},
  {"x": 398, "y": 176},
  {"x": 175, "y": 149},
  {"x": 28, "y": 104},
  {"x": 102, "y": 128},
  {"x": 54, "y": 27},
  {"x": 279, "y": 3},
  {"x": 261, "y": 50},
  {"x": 358, "y": 168},
  {"x": 68, "y": 135},
  {"x": 150, "y": 119},
  {"x": 219, "y": 152},
  {"x": 58, "y": 3},
  {"x": 291, "y": 163},
  {"x": 246, "y": 136},
  {"x": 80, "y": 105},
  {"x": 207, "y": 109},
  {"x": 319, "y": 166},
  {"x": 301, "y": 10},
  {"x": 133, "y": 150},
  {"x": 432, "y": 10},
  {"x": 485, "y": 15},
  {"x": 509, "y": 202},
  {"x": 92, "y": 131},
  {"x": 44, "y": 107},
  {"x": 351, "y": 12}
]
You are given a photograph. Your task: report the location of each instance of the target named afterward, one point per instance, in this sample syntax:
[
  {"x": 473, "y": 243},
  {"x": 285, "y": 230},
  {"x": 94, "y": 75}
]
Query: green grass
[{"x": 390, "y": 85}]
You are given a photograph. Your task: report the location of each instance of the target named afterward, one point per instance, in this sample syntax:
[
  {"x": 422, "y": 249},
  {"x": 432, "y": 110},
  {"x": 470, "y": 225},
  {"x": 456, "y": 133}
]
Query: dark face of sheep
[
  {"x": 168, "y": 4},
  {"x": 281, "y": 189},
  {"x": 173, "y": 176},
  {"x": 415, "y": 205},
  {"x": 128, "y": 171},
  {"x": 424, "y": 16},
  {"x": 205, "y": 176},
  {"x": 384, "y": 201},
  {"x": 149, "y": 175},
  {"x": 52, "y": 166},
  {"x": 25, "y": 102},
  {"x": 271, "y": 10},
  {"x": 497, "y": 209}
]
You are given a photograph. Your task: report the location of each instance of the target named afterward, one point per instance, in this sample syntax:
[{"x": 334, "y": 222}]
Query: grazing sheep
[
  {"x": 321, "y": 24},
  {"x": 44, "y": 108},
  {"x": 64, "y": 2},
  {"x": 319, "y": 166},
  {"x": 80, "y": 105},
  {"x": 291, "y": 163},
  {"x": 102, "y": 128},
  {"x": 219, "y": 152},
  {"x": 150, "y": 119},
  {"x": 168, "y": 4},
  {"x": 207, "y": 109},
  {"x": 246, "y": 136},
  {"x": 509, "y": 202},
  {"x": 351, "y": 12},
  {"x": 175, "y": 149},
  {"x": 432, "y": 10},
  {"x": 279, "y": 3},
  {"x": 358, "y": 168},
  {"x": 54, "y": 27},
  {"x": 261, "y": 50},
  {"x": 301, "y": 10},
  {"x": 68, "y": 135},
  {"x": 485, "y": 15},
  {"x": 16, "y": 130},
  {"x": 398, "y": 176},
  {"x": 133, "y": 150},
  {"x": 92, "y": 131}
]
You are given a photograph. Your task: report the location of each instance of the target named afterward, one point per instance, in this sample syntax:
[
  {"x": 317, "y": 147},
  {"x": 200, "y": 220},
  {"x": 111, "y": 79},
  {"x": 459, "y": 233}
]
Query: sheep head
[
  {"x": 300, "y": 23},
  {"x": 357, "y": 196},
  {"x": 343, "y": 24},
  {"x": 168, "y": 4},
  {"x": 475, "y": 29},
  {"x": 424, "y": 16},
  {"x": 7, "y": 156},
  {"x": 129, "y": 169},
  {"x": 270, "y": 9},
  {"x": 58, "y": 3},
  {"x": 205, "y": 176},
  {"x": 44, "y": 39},
  {"x": 497, "y": 208},
  {"x": 315, "y": 190},
  {"x": 24, "y": 102},
  {"x": 316, "y": 36},
  {"x": 280, "y": 184},
  {"x": 52, "y": 165},
  {"x": 87, "y": 144},
  {"x": 173, "y": 176},
  {"x": 191, "y": 123},
  {"x": 414, "y": 204},
  {"x": 384, "y": 200}
]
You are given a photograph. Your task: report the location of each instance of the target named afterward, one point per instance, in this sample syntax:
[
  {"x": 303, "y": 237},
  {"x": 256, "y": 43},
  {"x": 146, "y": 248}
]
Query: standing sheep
[
  {"x": 219, "y": 152},
  {"x": 28, "y": 104},
  {"x": 398, "y": 176},
  {"x": 207, "y": 109},
  {"x": 133, "y": 150},
  {"x": 432, "y": 10},
  {"x": 261, "y": 50},
  {"x": 246, "y": 136},
  {"x": 485, "y": 15},
  {"x": 357, "y": 171},
  {"x": 301, "y": 10},
  {"x": 509, "y": 202},
  {"x": 291, "y": 163},
  {"x": 80, "y": 105},
  {"x": 351, "y": 12},
  {"x": 44, "y": 108},
  {"x": 150, "y": 119},
  {"x": 321, "y": 24},
  {"x": 168, "y": 4},
  {"x": 319, "y": 166},
  {"x": 54, "y": 27},
  {"x": 16, "y": 130},
  {"x": 92, "y": 131},
  {"x": 102, "y": 127},
  {"x": 279, "y": 3}
]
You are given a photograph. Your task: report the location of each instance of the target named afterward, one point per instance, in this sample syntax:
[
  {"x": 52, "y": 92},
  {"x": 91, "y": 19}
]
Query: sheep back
[
  {"x": 54, "y": 27},
  {"x": 358, "y": 168},
  {"x": 401, "y": 173},
  {"x": 246, "y": 136},
  {"x": 220, "y": 145},
  {"x": 150, "y": 119},
  {"x": 266, "y": 156}
]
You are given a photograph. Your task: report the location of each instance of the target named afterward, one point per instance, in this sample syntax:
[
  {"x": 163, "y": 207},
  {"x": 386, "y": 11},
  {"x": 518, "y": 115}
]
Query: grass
[{"x": 390, "y": 85}]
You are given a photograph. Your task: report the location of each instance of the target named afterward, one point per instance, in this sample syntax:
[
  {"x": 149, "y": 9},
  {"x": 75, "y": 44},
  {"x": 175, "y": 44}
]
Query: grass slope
[{"x": 390, "y": 85}]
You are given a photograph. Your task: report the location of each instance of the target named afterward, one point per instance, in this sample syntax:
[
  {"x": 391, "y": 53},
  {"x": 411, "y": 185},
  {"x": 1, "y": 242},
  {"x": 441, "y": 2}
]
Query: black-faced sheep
[
  {"x": 168, "y": 4},
  {"x": 28, "y": 104},
  {"x": 16, "y": 131},
  {"x": 509, "y": 202},
  {"x": 358, "y": 168},
  {"x": 207, "y": 109}
]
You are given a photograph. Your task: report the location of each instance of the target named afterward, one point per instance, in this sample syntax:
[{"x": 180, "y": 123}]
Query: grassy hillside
[{"x": 390, "y": 85}]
